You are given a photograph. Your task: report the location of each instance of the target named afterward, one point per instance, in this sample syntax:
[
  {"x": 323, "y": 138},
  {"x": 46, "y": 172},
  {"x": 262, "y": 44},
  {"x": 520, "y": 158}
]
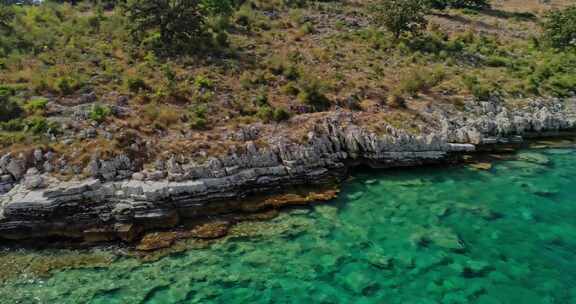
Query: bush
[
  {"x": 265, "y": 113},
  {"x": 167, "y": 116},
  {"x": 65, "y": 85},
  {"x": 261, "y": 100},
  {"x": 135, "y": 84},
  {"x": 281, "y": 66},
  {"x": 40, "y": 125},
  {"x": 396, "y": 101},
  {"x": 197, "y": 118},
  {"x": 481, "y": 91},
  {"x": 280, "y": 114},
  {"x": 290, "y": 89},
  {"x": 312, "y": 94},
  {"x": 99, "y": 113},
  {"x": 418, "y": 79},
  {"x": 217, "y": 7},
  {"x": 9, "y": 108},
  {"x": 560, "y": 28},
  {"x": 563, "y": 85},
  {"x": 36, "y": 104},
  {"x": 203, "y": 83},
  {"x": 13, "y": 125}
]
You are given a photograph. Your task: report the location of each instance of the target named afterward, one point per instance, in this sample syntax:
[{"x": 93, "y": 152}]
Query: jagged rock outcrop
[{"x": 118, "y": 203}]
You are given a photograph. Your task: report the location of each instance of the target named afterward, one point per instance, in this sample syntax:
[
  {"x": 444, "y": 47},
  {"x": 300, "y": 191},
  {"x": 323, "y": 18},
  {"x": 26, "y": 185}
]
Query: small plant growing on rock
[
  {"x": 202, "y": 82},
  {"x": 65, "y": 85},
  {"x": 265, "y": 113},
  {"x": 35, "y": 105},
  {"x": 99, "y": 113},
  {"x": 39, "y": 125},
  {"x": 197, "y": 118}
]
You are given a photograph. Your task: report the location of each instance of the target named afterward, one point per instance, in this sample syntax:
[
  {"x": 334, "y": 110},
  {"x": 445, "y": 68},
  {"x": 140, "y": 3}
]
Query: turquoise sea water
[{"x": 428, "y": 235}]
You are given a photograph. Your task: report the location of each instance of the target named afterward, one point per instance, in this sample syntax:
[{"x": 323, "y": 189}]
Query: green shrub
[
  {"x": 261, "y": 100},
  {"x": 563, "y": 85},
  {"x": 307, "y": 28},
  {"x": 202, "y": 82},
  {"x": 217, "y": 7},
  {"x": 135, "y": 84},
  {"x": 99, "y": 113},
  {"x": 14, "y": 125},
  {"x": 496, "y": 61},
  {"x": 290, "y": 89},
  {"x": 280, "y": 114},
  {"x": 197, "y": 118},
  {"x": 245, "y": 16},
  {"x": 419, "y": 79},
  {"x": 9, "y": 108},
  {"x": 560, "y": 28},
  {"x": 265, "y": 113},
  {"x": 38, "y": 125},
  {"x": 36, "y": 104},
  {"x": 479, "y": 90},
  {"x": 65, "y": 85},
  {"x": 312, "y": 94}
]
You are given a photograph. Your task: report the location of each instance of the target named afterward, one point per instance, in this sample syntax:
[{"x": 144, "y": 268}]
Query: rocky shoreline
[{"x": 117, "y": 201}]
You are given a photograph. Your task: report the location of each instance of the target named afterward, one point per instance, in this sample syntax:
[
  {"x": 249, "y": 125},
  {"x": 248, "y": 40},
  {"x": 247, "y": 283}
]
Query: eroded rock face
[{"x": 116, "y": 197}]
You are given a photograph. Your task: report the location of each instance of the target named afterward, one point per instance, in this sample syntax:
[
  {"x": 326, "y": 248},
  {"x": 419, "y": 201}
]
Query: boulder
[{"x": 16, "y": 168}]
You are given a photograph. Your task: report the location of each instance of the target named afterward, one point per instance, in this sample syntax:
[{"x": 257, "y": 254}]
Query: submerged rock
[
  {"x": 481, "y": 166},
  {"x": 157, "y": 240},
  {"x": 211, "y": 230},
  {"x": 379, "y": 260},
  {"x": 535, "y": 158}
]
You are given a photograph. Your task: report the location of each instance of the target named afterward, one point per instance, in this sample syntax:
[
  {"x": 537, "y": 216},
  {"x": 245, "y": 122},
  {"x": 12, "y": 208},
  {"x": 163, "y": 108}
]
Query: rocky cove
[{"x": 119, "y": 201}]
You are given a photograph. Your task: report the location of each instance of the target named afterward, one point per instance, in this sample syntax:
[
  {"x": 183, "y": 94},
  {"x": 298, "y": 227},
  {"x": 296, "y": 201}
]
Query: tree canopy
[
  {"x": 560, "y": 28},
  {"x": 400, "y": 16}
]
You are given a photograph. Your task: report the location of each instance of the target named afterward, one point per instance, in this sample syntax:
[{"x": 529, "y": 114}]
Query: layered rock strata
[{"x": 118, "y": 202}]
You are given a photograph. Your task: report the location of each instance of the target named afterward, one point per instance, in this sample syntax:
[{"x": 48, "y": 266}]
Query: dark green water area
[{"x": 503, "y": 233}]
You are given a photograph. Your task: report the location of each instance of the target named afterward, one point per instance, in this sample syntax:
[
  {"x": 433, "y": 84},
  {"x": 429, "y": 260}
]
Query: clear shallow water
[{"x": 456, "y": 235}]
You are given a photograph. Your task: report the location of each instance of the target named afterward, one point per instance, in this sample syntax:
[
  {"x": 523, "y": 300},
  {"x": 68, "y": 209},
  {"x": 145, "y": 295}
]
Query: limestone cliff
[{"x": 118, "y": 202}]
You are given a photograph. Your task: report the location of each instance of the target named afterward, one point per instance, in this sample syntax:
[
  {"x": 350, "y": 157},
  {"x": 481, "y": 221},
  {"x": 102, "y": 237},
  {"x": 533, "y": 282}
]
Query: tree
[
  {"x": 401, "y": 16},
  {"x": 6, "y": 16},
  {"x": 560, "y": 28},
  {"x": 9, "y": 109},
  {"x": 169, "y": 26},
  {"x": 217, "y": 7},
  {"x": 472, "y": 4}
]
